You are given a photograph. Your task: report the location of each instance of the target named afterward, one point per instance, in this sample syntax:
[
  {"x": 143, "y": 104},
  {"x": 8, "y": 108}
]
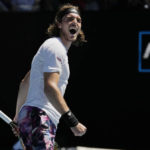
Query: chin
[{"x": 73, "y": 38}]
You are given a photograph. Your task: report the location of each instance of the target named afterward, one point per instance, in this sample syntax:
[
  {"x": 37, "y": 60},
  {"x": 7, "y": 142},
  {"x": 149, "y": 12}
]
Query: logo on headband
[{"x": 144, "y": 51}]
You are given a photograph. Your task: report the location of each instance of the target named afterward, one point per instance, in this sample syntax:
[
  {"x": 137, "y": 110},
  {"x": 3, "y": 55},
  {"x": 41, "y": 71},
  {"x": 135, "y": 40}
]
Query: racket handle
[{"x": 13, "y": 125}]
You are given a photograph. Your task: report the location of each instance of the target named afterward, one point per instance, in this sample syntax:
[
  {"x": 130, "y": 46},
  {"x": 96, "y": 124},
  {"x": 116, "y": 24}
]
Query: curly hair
[{"x": 53, "y": 29}]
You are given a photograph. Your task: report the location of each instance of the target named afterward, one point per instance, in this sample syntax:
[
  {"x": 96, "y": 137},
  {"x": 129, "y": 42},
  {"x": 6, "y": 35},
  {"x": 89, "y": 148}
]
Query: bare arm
[
  {"x": 55, "y": 97},
  {"x": 22, "y": 94},
  {"x": 53, "y": 93}
]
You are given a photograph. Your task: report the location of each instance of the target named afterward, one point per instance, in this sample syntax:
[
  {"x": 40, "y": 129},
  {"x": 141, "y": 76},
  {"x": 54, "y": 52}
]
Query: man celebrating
[{"x": 40, "y": 102}]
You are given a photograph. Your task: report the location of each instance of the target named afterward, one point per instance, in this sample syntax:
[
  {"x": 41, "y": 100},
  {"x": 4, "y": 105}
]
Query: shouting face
[{"x": 70, "y": 27}]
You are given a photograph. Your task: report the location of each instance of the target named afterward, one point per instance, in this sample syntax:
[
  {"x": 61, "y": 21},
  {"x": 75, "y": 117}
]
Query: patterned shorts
[{"x": 36, "y": 129}]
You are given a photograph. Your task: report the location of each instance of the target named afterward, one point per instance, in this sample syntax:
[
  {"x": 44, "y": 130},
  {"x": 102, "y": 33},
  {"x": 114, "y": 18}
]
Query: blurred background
[{"x": 106, "y": 91}]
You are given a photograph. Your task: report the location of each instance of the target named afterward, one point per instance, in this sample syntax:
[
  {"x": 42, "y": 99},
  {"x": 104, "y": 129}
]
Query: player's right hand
[
  {"x": 15, "y": 128},
  {"x": 79, "y": 130}
]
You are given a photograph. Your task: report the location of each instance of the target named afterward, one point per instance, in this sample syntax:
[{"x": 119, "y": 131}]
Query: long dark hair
[{"x": 53, "y": 29}]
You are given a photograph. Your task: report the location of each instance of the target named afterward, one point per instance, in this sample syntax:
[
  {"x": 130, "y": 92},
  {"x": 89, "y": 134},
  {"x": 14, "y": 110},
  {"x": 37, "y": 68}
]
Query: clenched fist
[{"x": 79, "y": 130}]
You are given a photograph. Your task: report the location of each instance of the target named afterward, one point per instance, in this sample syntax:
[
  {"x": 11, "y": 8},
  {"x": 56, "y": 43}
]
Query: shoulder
[
  {"x": 53, "y": 45},
  {"x": 53, "y": 48}
]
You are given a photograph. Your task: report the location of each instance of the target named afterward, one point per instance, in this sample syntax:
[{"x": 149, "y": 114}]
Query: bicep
[{"x": 51, "y": 79}]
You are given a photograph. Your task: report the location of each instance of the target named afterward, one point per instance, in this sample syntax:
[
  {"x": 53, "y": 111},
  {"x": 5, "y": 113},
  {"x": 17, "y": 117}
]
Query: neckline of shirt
[{"x": 62, "y": 43}]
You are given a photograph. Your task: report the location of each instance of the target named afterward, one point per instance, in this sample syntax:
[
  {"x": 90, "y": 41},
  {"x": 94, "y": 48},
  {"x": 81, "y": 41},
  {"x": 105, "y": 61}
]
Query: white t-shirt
[{"x": 51, "y": 57}]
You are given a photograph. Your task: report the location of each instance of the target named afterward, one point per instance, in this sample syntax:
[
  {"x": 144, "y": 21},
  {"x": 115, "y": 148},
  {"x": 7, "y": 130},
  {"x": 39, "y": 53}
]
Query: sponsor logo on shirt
[{"x": 59, "y": 59}]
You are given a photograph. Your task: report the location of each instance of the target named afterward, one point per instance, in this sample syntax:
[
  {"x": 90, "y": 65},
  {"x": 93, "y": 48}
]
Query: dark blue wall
[{"x": 106, "y": 91}]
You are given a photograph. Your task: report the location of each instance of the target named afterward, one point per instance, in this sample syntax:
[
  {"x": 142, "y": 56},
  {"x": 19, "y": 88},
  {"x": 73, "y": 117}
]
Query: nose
[{"x": 73, "y": 23}]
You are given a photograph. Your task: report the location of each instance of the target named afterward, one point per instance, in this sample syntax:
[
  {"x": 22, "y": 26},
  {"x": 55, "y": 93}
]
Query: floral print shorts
[{"x": 36, "y": 129}]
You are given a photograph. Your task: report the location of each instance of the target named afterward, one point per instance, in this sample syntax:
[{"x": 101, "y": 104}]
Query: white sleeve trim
[{"x": 50, "y": 69}]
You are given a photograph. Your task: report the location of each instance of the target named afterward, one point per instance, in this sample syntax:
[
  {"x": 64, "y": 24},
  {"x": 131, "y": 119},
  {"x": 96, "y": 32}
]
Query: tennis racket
[{"x": 9, "y": 121}]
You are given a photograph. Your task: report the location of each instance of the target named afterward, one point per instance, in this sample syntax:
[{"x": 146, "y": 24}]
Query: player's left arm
[{"x": 22, "y": 94}]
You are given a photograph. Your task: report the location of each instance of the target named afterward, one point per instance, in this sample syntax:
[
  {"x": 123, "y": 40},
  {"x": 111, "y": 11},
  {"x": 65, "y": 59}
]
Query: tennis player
[{"x": 40, "y": 102}]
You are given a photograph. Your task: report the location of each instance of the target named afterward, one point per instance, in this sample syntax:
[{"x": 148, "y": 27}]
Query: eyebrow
[{"x": 78, "y": 17}]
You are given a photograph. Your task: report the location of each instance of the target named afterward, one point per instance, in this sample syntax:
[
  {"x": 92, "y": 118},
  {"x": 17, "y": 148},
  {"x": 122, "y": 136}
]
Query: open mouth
[{"x": 72, "y": 31}]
